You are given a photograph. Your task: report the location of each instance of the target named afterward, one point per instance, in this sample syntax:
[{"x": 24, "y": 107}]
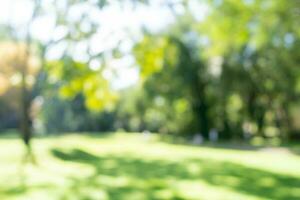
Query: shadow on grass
[
  {"x": 152, "y": 177},
  {"x": 11, "y": 134},
  {"x": 20, "y": 189},
  {"x": 221, "y": 144},
  {"x": 294, "y": 147},
  {"x": 14, "y": 134}
]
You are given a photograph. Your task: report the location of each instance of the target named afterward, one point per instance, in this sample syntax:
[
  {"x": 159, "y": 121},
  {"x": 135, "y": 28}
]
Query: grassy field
[{"x": 128, "y": 167}]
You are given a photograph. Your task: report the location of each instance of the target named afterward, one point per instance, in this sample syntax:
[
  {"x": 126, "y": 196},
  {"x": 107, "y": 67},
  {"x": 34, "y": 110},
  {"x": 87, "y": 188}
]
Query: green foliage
[
  {"x": 59, "y": 115},
  {"x": 246, "y": 69},
  {"x": 149, "y": 54},
  {"x": 75, "y": 78},
  {"x": 236, "y": 70}
]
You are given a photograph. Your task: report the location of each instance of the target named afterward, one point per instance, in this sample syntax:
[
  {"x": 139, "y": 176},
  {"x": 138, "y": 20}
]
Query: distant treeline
[{"x": 235, "y": 71}]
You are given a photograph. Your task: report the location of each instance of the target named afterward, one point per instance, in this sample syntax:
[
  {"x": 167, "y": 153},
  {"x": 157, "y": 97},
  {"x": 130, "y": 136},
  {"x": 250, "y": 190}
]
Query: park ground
[{"x": 131, "y": 166}]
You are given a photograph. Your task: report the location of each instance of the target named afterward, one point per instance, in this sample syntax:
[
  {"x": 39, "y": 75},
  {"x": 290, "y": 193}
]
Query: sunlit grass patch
[{"x": 130, "y": 166}]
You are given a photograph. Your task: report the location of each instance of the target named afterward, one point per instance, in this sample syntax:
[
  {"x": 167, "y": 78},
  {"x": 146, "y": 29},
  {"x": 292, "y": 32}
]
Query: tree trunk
[
  {"x": 204, "y": 121},
  {"x": 201, "y": 111},
  {"x": 226, "y": 132},
  {"x": 25, "y": 109},
  {"x": 288, "y": 122}
]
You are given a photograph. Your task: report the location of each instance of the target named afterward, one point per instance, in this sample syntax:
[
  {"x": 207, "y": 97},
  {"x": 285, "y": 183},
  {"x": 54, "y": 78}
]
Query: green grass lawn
[{"x": 125, "y": 166}]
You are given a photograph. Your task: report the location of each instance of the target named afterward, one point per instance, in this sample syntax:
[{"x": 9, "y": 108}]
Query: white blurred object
[
  {"x": 146, "y": 135},
  {"x": 198, "y": 139},
  {"x": 247, "y": 130},
  {"x": 213, "y": 135}
]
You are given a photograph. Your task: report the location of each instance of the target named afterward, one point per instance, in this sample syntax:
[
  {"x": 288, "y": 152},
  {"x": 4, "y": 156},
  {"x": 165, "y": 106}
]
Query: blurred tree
[
  {"x": 176, "y": 74},
  {"x": 257, "y": 41},
  {"x": 66, "y": 29},
  {"x": 237, "y": 67},
  {"x": 18, "y": 70}
]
